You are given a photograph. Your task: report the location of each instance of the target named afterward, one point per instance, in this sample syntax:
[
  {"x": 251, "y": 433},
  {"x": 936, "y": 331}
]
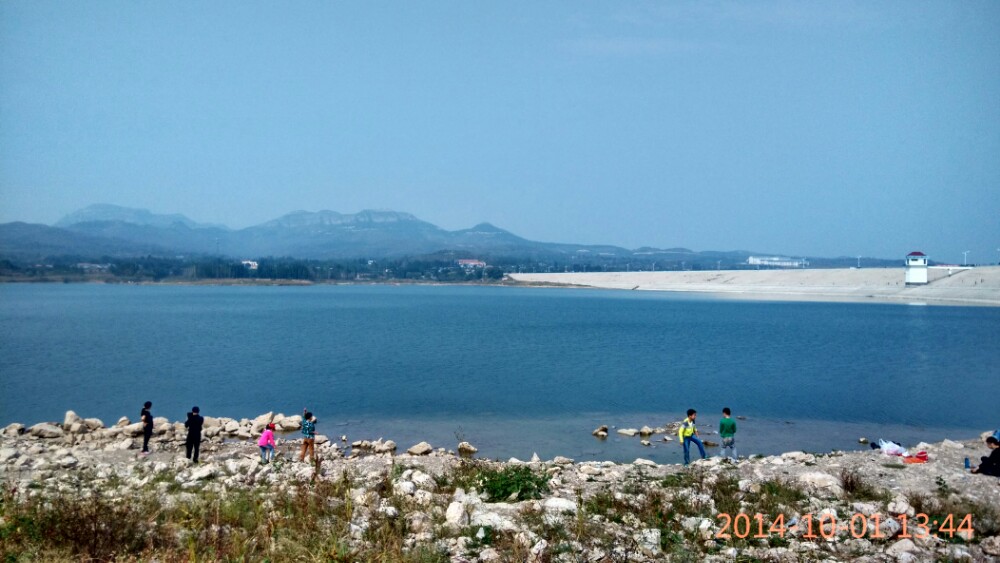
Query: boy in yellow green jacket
[{"x": 688, "y": 433}]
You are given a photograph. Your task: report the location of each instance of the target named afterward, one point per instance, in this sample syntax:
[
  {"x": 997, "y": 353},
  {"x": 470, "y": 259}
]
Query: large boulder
[
  {"x": 93, "y": 423},
  {"x": 423, "y": 448},
  {"x": 46, "y": 430},
  {"x": 70, "y": 418},
  {"x": 133, "y": 429},
  {"x": 13, "y": 429},
  {"x": 261, "y": 422},
  {"x": 818, "y": 481},
  {"x": 466, "y": 449},
  {"x": 290, "y": 423}
]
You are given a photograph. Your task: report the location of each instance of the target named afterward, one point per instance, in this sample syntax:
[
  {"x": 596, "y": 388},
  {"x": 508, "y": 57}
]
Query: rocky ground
[{"x": 366, "y": 501}]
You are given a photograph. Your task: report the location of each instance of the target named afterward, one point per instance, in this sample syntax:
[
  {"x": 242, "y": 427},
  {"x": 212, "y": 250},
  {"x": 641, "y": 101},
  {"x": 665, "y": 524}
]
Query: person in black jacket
[
  {"x": 991, "y": 463},
  {"x": 147, "y": 426},
  {"x": 193, "y": 424}
]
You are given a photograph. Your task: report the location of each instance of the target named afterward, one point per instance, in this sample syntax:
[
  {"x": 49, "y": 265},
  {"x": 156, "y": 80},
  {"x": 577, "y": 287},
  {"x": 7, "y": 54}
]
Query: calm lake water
[{"x": 512, "y": 370}]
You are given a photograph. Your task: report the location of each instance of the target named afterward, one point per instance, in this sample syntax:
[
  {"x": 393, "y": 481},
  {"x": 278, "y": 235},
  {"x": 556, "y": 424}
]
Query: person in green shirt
[{"x": 727, "y": 431}]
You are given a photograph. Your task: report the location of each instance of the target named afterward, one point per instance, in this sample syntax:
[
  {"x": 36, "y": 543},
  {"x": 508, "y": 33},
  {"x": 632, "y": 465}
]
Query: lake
[{"x": 513, "y": 370}]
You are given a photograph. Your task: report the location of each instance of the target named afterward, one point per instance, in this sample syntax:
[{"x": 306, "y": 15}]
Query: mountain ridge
[{"x": 111, "y": 230}]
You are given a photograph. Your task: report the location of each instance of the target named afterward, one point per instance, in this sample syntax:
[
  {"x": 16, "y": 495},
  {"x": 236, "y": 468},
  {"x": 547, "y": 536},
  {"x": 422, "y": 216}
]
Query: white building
[{"x": 916, "y": 268}]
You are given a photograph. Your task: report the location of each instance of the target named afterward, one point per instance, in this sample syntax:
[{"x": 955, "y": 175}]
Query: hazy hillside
[{"x": 110, "y": 230}]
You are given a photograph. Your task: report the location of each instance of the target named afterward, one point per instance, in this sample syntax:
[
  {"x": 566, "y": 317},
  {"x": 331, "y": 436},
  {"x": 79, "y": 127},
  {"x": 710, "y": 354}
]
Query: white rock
[
  {"x": 645, "y": 443},
  {"x": 628, "y": 431},
  {"x": 649, "y": 540},
  {"x": 14, "y": 429},
  {"x": 231, "y": 427},
  {"x": 456, "y": 515},
  {"x": 465, "y": 448},
  {"x": 45, "y": 430},
  {"x": 7, "y": 454},
  {"x": 493, "y": 520},
  {"x": 93, "y": 424},
  {"x": 423, "y": 448},
  {"x": 558, "y": 505},
  {"x": 900, "y": 506},
  {"x": 560, "y": 460},
  {"x": 203, "y": 472},
  {"x": 865, "y": 508},
  {"x": 900, "y": 547},
  {"x": 122, "y": 422},
  {"x": 133, "y": 429},
  {"x": 953, "y": 445},
  {"x": 423, "y": 497},
  {"x": 538, "y": 551},
  {"x": 386, "y": 447},
  {"x": 644, "y": 462},
  {"x": 422, "y": 480},
  {"x": 67, "y": 462},
  {"x": 70, "y": 418},
  {"x": 261, "y": 422},
  {"x": 991, "y": 545},
  {"x": 800, "y": 457},
  {"x": 288, "y": 423},
  {"x": 405, "y": 488},
  {"x": 817, "y": 480},
  {"x": 645, "y": 431}
]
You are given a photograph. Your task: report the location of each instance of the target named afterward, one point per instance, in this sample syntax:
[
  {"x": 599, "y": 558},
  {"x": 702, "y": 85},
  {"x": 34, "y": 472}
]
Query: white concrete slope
[{"x": 976, "y": 286}]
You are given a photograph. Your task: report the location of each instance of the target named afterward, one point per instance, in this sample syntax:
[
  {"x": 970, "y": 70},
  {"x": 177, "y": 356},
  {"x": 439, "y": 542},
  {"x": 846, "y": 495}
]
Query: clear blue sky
[{"x": 800, "y": 128}]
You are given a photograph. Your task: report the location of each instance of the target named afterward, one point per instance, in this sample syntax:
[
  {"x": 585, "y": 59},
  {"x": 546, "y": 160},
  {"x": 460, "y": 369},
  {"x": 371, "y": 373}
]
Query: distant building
[
  {"x": 471, "y": 264},
  {"x": 916, "y": 268},
  {"x": 777, "y": 262},
  {"x": 250, "y": 264}
]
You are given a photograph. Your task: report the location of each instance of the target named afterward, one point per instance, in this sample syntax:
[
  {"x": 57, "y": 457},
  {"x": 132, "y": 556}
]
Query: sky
[{"x": 796, "y": 128}]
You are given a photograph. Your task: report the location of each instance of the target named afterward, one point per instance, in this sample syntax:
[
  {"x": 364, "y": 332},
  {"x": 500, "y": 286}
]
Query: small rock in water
[{"x": 862, "y": 440}]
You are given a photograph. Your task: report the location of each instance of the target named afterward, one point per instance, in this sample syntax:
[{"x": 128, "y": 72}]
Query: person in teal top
[
  {"x": 308, "y": 436},
  {"x": 727, "y": 431}
]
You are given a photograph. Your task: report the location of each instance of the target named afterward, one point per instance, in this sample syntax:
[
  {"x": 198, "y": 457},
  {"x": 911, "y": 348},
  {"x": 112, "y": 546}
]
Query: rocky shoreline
[{"x": 365, "y": 501}]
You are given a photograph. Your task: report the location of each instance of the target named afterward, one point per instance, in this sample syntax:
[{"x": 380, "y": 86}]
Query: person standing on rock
[
  {"x": 727, "y": 431},
  {"x": 308, "y": 435},
  {"x": 193, "y": 424},
  {"x": 147, "y": 426},
  {"x": 990, "y": 465},
  {"x": 688, "y": 433}
]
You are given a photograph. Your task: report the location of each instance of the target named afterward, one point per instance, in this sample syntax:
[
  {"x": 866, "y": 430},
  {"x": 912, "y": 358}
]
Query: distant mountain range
[{"x": 113, "y": 231}]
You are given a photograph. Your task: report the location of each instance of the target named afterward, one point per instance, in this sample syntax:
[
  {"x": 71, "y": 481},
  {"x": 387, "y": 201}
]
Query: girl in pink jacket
[{"x": 266, "y": 444}]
